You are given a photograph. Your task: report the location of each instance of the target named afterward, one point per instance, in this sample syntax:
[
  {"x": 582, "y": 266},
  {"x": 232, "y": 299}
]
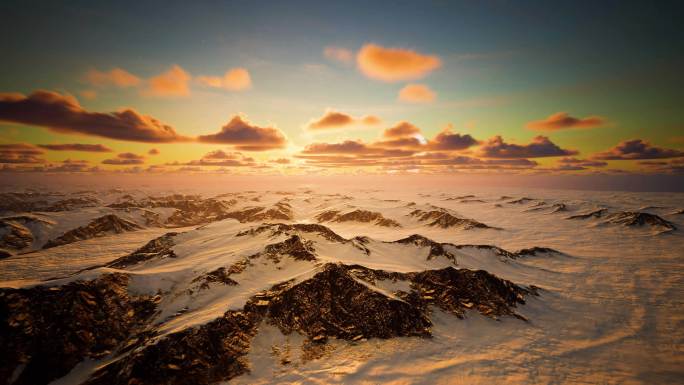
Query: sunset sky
[{"x": 295, "y": 87}]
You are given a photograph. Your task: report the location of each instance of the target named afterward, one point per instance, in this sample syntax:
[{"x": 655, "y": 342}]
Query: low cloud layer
[
  {"x": 20, "y": 153},
  {"x": 246, "y": 136},
  {"x": 126, "y": 158},
  {"x": 76, "y": 147},
  {"x": 395, "y": 64},
  {"x": 333, "y": 119},
  {"x": 562, "y": 120},
  {"x": 63, "y": 114},
  {"x": 540, "y": 147},
  {"x": 637, "y": 149}
]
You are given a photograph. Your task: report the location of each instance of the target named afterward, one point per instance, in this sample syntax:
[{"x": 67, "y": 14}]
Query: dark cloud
[
  {"x": 562, "y": 120},
  {"x": 247, "y": 137},
  {"x": 62, "y": 113},
  {"x": 153, "y": 151},
  {"x": 540, "y": 147},
  {"x": 126, "y": 158},
  {"x": 20, "y": 153},
  {"x": 76, "y": 147},
  {"x": 637, "y": 149},
  {"x": 449, "y": 141}
]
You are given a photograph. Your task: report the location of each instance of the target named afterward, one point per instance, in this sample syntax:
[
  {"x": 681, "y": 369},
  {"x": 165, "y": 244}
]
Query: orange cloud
[
  {"x": 416, "y": 93},
  {"x": 562, "y": 120},
  {"x": 333, "y": 119},
  {"x": 246, "y": 136},
  {"x": 400, "y": 130},
  {"x": 88, "y": 94},
  {"x": 63, "y": 113},
  {"x": 117, "y": 77},
  {"x": 394, "y": 64},
  {"x": 126, "y": 158},
  {"x": 172, "y": 83},
  {"x": 338, "y": 54},
  {"x": 235, "y": 79}
]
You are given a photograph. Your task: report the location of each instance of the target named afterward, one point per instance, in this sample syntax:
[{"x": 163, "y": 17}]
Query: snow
[{"x": 611, "y": 308}]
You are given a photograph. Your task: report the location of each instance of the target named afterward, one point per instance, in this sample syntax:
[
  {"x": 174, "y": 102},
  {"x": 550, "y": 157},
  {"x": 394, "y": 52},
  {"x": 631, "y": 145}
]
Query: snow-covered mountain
[{"x": 134, "y": 287}]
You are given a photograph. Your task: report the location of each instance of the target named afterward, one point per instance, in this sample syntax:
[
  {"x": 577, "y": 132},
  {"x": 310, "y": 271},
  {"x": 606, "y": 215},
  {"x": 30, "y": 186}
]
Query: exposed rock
[
  {"x": 593, "y": 214},
  {"x": 280, "y": 211},
  {"x": 535, "y": 251},
  {"x": 559, "y": 207},
  {"x": 333, "y": 303},
  {"x": 14, "y": 235},
  {"x": 155, "y": 249},
  {"x": 443, "y": 219},
  {"x": 436, "y": 249},
  {"x": 46, "y": 331},
  {"x": 628, "y": 218},
  {"x": 73, "y": 203},
  {"x": 358, "y": 215},
  {"x": 5, "y": 254},
  {"x": 520, "y": 201},
  {"x": 204, "y": 355},
  {"x": 99, "y": 227},
  {"x": 455, "y": 290},
  {"x": 281, "y": 228}
]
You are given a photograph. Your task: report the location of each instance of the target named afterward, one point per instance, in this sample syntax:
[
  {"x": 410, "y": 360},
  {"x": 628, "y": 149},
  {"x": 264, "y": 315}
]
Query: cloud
[
  {"x": 153, "y": 151},
  {"x": 540, "y": 147},
  {"x": 76, "y": 147},
  {"x": 235, "y": 79},
  {"x": 281, "y": 161},
  {"x": 401, "y": 130},
  {"x": 126, "y": 158},
  {"x": 447, "y": 140},
  {"x": 561, "y": 120},
  {"x": 246, "y": 136},
  {"x": 339, "y": 54},
  {"x": 88, "y": 94},
  {"x": 332, "y": 119},
  {"x": 581, "y": 162},
  {"x": 394, "y": 64},
  {"x": 355, "y": 147},
  {"x": 416, "y": 93},
  {"x": 637, "y": 149},
  {"x": 220, "y": 158},
  {"x": 117, "y": 77},
  {"x": 172, "y": 83},
  {"x": 62, "y": 113},
  {"x": 20, "y": 153}
]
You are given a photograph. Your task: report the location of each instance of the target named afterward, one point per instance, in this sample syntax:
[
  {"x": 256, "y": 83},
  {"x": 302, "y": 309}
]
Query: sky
[{"x": 325, "y": 88}]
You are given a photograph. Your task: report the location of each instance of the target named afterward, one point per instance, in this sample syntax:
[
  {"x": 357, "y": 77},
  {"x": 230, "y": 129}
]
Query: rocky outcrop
[
  {"x": 280, "y": 211},
  {"x": 592, "y": 214},
  {"x": 436, "y": 249},
  {"x": 443, "y": 219},
  {"x": 629, "y": 218},
  {"x": 99, "y": 227},
  {"x": 363, "y": 216},
  {"x": 157, "y": 248},
  {"x": 14, "y": 236},
  {"x": 46, "y": 331}
]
